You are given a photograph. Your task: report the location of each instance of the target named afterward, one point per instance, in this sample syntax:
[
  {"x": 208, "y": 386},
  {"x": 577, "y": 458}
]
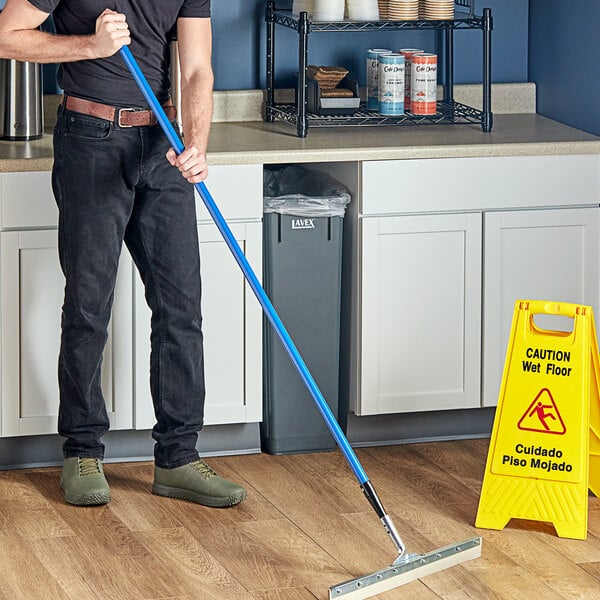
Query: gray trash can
[{"x": 303, "y": 224}]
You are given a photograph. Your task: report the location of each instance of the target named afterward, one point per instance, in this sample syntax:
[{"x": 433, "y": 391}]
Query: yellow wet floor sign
[{"x": 545, "y": 448}]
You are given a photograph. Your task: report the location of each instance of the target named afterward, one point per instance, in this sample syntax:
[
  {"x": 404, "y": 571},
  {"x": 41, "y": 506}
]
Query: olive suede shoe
[
  {"x": 197, "y": 482},
  {"x": 83, "y": 482}
]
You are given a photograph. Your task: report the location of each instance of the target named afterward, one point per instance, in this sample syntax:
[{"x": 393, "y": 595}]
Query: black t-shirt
[{"x": 151, "y": 23}]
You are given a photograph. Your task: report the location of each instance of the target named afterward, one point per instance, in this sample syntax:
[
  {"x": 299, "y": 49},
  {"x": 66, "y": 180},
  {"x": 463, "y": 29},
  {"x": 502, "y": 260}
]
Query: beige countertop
[{"x": 255, "y": 142}]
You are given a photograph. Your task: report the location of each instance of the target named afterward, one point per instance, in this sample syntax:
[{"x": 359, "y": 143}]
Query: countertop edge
[
  {"x": 404, "y": 153},
  {"x": 353, "y": 154}
]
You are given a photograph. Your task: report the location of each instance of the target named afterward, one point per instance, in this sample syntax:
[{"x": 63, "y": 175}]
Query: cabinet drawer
[
  {"x": 453, "y": 184},
  {"x": 26, "y": 200},
  {"x": 237, "y": 191}
]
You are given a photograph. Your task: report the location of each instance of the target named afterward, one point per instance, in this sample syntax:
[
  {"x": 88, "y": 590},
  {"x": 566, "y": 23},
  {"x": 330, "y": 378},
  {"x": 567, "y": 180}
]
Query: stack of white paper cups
[
  {"x": 362, "y": 10},
  {"x": 328, "y": 10}
]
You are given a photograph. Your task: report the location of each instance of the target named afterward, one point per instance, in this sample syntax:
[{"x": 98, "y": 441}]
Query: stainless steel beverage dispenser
[{"x": 21, "y": 100}]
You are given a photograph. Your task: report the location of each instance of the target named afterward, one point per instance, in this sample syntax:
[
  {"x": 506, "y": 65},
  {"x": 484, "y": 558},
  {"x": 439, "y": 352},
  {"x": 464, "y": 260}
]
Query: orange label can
[
  {"x": 408, "y": 53},
  {"x": 423, "y": 95}
]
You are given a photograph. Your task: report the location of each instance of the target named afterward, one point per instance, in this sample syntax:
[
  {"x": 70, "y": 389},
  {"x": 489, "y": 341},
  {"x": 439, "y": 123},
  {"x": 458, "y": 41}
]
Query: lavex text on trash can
[
  {"x": 391, "y": 84},
  {"x": 423, "y": 93},
  {"x": 372, "y": 76},
  {"x": 408, "y": 53}
]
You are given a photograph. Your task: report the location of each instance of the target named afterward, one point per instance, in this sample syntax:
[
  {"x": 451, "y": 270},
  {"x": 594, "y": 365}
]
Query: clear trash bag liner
[{"x": 302, "y": 192}]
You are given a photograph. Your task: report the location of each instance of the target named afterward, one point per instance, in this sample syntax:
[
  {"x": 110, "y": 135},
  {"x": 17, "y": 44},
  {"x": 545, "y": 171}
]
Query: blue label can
[
  {"x": 391, "y": 84},
  {"x": 372, "y": 77}
]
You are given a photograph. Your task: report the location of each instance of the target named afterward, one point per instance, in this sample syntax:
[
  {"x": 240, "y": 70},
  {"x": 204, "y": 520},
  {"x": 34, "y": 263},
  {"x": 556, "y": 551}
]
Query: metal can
[
  {"x": 408, "y": 53},
  {"x": 391, "y": 84},
  {"x": 372, "y": 77},
  {"x": 423, "y": 96}
]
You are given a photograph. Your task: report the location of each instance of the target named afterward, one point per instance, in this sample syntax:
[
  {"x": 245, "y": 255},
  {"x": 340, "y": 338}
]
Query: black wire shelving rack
[{"x": 448, "y": 110}]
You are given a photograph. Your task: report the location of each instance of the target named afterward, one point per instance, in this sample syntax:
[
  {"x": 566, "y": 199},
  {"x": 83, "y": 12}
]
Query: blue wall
[
  {"x": 564, "y": 59},
  {"x": 239, "y": 45},
  {"x": 239, "y": 55}
]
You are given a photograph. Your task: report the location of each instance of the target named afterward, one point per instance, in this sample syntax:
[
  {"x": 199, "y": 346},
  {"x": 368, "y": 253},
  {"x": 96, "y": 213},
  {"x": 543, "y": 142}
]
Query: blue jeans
[{"x": 114, "y": 184}]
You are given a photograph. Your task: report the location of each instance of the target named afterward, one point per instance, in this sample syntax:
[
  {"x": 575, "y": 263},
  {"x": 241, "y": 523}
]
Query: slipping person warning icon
[
  {"x": 543, "y": 415},
  {"x": 540, "y": 410}
]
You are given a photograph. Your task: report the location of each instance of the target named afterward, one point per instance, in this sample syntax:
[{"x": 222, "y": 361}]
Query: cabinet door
[
  {"x": 421, "y": 311},
  {"x": 232, "y": 327},
  {"x": 32, "y": 296},
  {"x": 534, "y": 255}
]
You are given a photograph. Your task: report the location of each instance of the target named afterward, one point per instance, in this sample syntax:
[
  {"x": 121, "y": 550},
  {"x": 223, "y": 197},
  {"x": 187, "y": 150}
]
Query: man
[{"x": 112, "y": 183}]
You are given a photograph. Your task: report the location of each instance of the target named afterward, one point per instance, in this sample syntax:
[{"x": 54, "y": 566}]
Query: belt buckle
[{"x": 124, "y": 110}]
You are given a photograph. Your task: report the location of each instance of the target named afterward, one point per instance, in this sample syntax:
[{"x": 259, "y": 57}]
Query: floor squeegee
[{"x": 407, "y": 566}]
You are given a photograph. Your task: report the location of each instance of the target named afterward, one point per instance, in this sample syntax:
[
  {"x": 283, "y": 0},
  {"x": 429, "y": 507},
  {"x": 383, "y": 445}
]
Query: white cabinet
[
  {"x": 26, "y": 201},
  {"x": 439, "y": 251},
  {"x": 32, "y": 294},
  {"x": 232, "y": 317},
  {"x": 482, "y": 183},
  {"x": 537, "y": 255},
  {"x": 231, "y": 323},
  {"x": 237, "y": 192},
  {"x": 32, "y": 287},
  {"x": 421, "y": 297}
]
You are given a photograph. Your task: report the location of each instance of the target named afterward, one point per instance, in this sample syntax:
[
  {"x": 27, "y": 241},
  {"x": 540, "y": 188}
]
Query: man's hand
[
  {"x": 191, "y": 162},
  {"x": 112, "y": 33}
]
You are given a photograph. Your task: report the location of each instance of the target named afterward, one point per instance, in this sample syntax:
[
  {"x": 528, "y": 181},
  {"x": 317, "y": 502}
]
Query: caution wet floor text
[{"x": 545, "y": 447}]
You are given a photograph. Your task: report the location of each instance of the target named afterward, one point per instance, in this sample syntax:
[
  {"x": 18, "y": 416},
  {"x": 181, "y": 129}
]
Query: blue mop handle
[{"x": 258, "y": 290}]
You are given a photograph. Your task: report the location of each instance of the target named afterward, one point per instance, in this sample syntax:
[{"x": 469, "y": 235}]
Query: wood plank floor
[{"x": 304, "y": 527}]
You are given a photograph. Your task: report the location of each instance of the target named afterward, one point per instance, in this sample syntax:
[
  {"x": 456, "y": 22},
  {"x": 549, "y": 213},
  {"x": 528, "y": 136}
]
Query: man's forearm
[
  {"x": 197, "y": 107},
  {"x": 194, "y": 45},
  {"x": 41, "y": 47},
  {"x": 21, "y": 39}
]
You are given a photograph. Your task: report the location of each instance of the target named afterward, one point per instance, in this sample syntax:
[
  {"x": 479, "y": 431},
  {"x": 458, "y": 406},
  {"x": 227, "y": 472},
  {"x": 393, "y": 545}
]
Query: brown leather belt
[{"x": 123, "y": 117}]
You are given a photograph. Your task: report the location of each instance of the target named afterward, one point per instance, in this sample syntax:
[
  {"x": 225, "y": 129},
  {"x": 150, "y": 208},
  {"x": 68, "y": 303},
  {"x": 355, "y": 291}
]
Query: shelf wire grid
[{"x": 449, "y": 114}]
